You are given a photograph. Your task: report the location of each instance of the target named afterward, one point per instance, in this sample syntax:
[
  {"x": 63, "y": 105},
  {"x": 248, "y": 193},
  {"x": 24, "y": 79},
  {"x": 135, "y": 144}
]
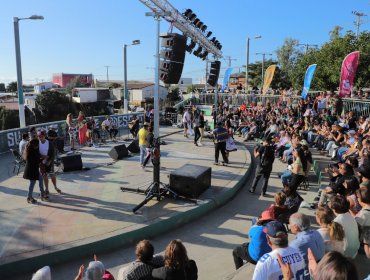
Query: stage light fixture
[
  {"x": 200, "y": 24},
  {"x": 204, "y": 28},
  {"x": 198, "y": 51},
  {"x": 195, "y": 22},
  {"x": 192, "y": 17},
  {"x": 191, "y": 46},
  {"x": 213, "y": 40},
  {"x": 203, "y": 55},
  {"x": 209, "y": 34},
  {"x": 188, "y": 13}
]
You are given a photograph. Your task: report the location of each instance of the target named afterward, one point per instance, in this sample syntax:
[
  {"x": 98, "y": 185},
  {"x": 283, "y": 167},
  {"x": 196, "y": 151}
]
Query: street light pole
[
  {"x": 125, "y": 87},
  {"x": 247, "y": 64},
  {"x": 263, "y": 62},
  {"x": 22, "y": 117}
]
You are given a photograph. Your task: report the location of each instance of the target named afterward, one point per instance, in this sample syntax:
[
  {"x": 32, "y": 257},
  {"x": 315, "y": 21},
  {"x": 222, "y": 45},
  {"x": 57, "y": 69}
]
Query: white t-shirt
[
  {"x": 44, "y": 148},
  {"x": 268, "y": 267},
  {"x": 186, "y": 117},
  {"x": 352, "y": 242}
]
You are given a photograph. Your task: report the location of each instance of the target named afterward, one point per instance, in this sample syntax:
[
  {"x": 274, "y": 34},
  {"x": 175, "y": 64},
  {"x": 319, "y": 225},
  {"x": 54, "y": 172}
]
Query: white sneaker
[{"x": 200, "y": 144}]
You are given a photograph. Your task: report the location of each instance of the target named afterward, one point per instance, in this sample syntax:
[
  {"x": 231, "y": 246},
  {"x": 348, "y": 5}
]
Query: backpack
[{"x": 268, "y": 156}]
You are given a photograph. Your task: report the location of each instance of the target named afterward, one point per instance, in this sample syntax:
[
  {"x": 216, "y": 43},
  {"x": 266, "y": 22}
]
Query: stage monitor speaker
[
  {"x": 118, "y": 152},
  {"x": 72, "y": 162},
  {"x": 134, "y": 147},
  {"x": 190, "y": 180}
]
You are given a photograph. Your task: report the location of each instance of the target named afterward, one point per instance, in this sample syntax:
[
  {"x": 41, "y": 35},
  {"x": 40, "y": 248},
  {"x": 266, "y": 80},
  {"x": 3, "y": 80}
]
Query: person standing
[
  {"x": 31, "y": 172},
  {"x": 186, "y": 120},
  {"x": 265, "y": 154},
  {"x": 72, "y": 131},
  {"x": 196, "y": 125},
  {"x": 201, "y": 127},
  {"x": 82, "y": 128},
  {"x": 47, "y": 154},
  {"x": 143, "y": 143},
  {"x": 23, "y": 143},
  {"x": 220, "y": 137}
]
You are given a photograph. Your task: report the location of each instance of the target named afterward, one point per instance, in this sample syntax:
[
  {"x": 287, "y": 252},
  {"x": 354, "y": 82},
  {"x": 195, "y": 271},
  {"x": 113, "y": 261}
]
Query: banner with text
[
  {"x": 269, "y": 74},
  {"x": 226, "y": 78},
  {"x": 10, "y": 138},
  {"x": 348, "y": 72},
  {"x": 308, "y": 79}
]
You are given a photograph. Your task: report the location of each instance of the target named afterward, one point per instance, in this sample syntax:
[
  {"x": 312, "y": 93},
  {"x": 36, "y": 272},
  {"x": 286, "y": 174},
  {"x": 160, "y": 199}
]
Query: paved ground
[
  {"x": 92, "y": 206},
  {"x": 209, "y": 240}
]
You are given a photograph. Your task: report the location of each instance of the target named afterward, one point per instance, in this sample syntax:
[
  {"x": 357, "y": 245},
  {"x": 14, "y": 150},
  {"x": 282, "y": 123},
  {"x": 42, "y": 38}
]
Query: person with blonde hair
[
  {"x": 331, "y": 232},
  {"x": 177, "y": 265},
  {"x": 42, "y": 274}
]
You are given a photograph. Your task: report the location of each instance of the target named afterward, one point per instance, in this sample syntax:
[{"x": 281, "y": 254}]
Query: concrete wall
[{"x": 10, "y": 138}]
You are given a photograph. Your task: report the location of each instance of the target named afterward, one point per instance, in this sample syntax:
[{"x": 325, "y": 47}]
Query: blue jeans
[
  {"x": 142, "y": 154},
  {"x": 33, "y": 183},
  {"x": 286, "y": 177}
]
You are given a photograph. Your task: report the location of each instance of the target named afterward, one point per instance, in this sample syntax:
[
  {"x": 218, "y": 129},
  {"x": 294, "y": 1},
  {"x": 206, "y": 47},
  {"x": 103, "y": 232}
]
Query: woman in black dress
[
  {"x": 31, "y": 172},
  {"x": 177, "y": 265}
]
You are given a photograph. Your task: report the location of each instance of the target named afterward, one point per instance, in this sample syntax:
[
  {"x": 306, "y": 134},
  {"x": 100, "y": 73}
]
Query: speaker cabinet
[
  {"x": 71, "y": 162},
  {"x": 118, "y": 152},
  {"x": 214, "y": 73},
  {"x": 190, "y": 180},
  {"x": 134, "y": 147}
]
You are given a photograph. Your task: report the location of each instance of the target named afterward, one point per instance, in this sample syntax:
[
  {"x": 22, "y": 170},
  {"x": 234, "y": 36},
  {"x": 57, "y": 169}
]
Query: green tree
[
  {"x": 287, "y": 56},
  {"x": 2, "y": 87},
  {"x": 190, "y": 89},
  {"x": 8, "y": 119},
  {"x": 173, "y": 94},
  {"x": 53, "y": 106},
  {"x": 335, "y": 32},
  {"x": 12, "y": 87}
]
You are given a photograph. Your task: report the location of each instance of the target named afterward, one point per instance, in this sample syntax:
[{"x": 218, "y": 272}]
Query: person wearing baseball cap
[
  {"x": 257, "y": 247},
  {"x": 268, "y": 266}
]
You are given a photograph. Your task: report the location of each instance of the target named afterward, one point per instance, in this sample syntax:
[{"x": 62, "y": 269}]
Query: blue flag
[
  {"x": 226, "y": 78},
  {"x": 307, "y": 80}
]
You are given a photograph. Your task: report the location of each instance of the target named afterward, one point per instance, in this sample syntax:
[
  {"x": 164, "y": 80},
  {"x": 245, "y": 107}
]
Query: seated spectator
[
  {"x": 143, "y": 265},
  {"x": 340, "y": 206},
  {"x": 279, "y": 206},
  {"x": 95, "y": 271},
  {"x": 332, "y": 266},
  {"x": 268, "y": 266},
  {"x": 344, "y": 172},
  {"x": 42, "y": 274},
  {"x": 257, "y": 247},
  {"x": 292, "y": 202},
  {"x": 351, "y": 185},
  {"x": 331, "y": 232},
  {"x": 177, "y": 265},
  {"x": 305, "y": 238},
  {"x": 363, "y": 218}
]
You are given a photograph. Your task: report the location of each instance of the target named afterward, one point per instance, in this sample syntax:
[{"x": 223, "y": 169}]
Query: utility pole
[
  {"x": 263, "y": 62},
  {"x": 107, "y": 66},
  {"x": 229, "y": 58},
  {"x": 358, "y": 22},
  {"x": 308, "y": 46}
]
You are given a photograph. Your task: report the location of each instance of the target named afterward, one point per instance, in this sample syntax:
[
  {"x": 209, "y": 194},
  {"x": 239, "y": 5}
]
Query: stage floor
[{"x": 92, "y": 206}]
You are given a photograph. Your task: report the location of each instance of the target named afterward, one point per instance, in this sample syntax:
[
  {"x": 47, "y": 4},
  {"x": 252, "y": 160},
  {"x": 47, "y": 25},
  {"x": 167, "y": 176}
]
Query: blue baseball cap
[{"x": 275, "y": 229}]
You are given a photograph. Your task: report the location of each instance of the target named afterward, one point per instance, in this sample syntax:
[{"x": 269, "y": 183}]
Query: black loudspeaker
[
  {"x": 134, "y": 147},
  {"x": 214, "y": 73},
  {"x": 190, "y": 180},
  {"x": 118, "y": 152},
  {"x": 172, "y": 57},
  {"x": 71, "y": 162}
]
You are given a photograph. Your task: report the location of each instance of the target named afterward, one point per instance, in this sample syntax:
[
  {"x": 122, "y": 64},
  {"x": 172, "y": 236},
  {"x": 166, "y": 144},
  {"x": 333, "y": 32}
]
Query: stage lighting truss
[{"x": 185, "y": 23}]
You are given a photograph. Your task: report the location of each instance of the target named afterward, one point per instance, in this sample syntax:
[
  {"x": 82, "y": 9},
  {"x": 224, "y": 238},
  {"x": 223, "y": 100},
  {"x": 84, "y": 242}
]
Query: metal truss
[{"x": 182, "y": 24}]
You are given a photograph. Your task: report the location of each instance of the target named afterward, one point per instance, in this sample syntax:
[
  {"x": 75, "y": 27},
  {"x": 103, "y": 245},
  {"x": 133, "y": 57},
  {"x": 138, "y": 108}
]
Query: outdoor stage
[{"x": 93, "y": 214}]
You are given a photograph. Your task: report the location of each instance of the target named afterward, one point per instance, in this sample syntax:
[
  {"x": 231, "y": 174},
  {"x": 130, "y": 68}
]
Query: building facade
[{"x": 63, "y": 79}]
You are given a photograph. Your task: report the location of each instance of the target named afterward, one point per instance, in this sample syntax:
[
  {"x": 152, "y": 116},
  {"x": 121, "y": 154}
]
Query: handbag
[{"x": 230, "y": 145}]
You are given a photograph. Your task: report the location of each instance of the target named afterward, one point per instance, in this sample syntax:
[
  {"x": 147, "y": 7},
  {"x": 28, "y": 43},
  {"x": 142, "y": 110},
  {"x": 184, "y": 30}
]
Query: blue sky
[{"x": 82, "y": 36}]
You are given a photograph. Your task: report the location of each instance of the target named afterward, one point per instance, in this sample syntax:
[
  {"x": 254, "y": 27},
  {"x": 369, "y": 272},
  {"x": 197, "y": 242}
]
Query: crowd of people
[{"x": 288, "y": 133}]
